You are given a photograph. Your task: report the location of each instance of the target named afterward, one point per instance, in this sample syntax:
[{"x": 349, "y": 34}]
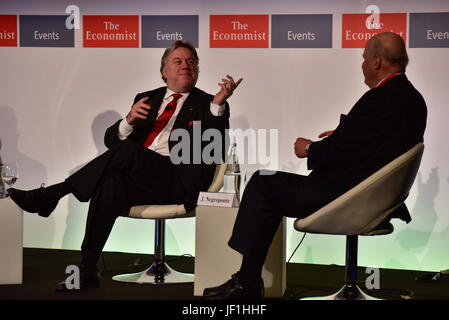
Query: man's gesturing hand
[
  {"x": 138, "y": 111},
  {"x": 227, "y": 89},
  {"x": 300, "y": 147},
  {"x": 326, "y": 134}
]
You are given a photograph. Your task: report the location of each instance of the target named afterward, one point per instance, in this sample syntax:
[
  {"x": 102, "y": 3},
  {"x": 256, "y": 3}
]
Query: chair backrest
[
  {"x": 171, "y": 211},
  {"x": 218, "y": 180},
  {"x": 366, "y": 205}
]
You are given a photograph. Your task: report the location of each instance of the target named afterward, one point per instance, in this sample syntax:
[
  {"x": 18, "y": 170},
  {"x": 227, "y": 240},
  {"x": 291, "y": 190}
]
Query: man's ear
[{"x": 377, "y": 62}]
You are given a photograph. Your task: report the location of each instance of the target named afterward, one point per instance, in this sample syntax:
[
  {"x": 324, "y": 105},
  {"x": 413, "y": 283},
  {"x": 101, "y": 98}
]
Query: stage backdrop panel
[{"x": 301, "y": 65}]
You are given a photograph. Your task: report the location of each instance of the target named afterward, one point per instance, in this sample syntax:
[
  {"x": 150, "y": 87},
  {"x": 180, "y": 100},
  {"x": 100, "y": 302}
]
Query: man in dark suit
[
  {"x": 387, "y": 121},
  {"x": 138, "y": 168}
]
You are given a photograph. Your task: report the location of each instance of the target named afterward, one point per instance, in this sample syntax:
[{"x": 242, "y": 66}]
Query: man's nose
[{"x": 185, "y": 64}]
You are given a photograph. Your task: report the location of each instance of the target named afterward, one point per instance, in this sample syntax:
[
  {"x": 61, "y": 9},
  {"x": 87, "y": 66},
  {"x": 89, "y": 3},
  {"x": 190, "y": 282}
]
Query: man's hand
[
  {"x": 138, "y": 111},
  {"x": 227, "y": 89},
  {"x": 326, "y": 134},
  {"x": 300, "y": 147}
]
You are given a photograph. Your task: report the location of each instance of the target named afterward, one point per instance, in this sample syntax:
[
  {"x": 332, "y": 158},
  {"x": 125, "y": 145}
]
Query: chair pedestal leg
[
  {"x": 152, "y": 276},
  {"x": 345, "y": 293},
  {"x": 350, "y": 291},
  {"x": 159, "y": 272}
]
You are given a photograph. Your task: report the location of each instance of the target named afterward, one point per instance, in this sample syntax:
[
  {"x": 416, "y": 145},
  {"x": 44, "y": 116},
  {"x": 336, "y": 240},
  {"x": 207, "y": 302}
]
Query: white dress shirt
[{"x": 160, "y": 143}]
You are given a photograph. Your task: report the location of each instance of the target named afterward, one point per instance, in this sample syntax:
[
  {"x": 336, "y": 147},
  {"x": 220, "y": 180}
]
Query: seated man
[
  {"x": 137, "y": 169},
  {"x": 387, "y": 121}
]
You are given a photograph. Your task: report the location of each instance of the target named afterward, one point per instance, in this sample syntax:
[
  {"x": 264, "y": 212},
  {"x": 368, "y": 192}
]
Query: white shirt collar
[
  {"x": 170, "y": 92},
  {"x": 396, "y": 73}
]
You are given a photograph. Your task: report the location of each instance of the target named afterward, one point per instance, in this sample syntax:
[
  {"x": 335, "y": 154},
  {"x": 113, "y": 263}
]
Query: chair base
[
  {"x": 345, "y": 293},
  {"x": 154, "y": 275}
]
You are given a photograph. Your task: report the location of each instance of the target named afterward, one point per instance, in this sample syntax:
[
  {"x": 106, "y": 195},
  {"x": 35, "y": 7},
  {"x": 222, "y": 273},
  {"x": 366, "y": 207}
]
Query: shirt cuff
[
  {"x": 216, "y": 109},
  {"x": 124, "y": 129},
  {"x": 307, "y": 148}
]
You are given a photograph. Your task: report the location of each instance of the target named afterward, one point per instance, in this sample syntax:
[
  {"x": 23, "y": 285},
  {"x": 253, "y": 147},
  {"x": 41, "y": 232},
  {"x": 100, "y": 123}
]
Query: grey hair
[{"x": 173, "y": 47}]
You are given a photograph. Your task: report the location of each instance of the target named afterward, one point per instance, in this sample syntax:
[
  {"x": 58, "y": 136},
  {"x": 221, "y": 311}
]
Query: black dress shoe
[
  {"x": 87, "y": 281},
  {"x": 34, "y": 201},
  {"x": 234, "y": 290}
]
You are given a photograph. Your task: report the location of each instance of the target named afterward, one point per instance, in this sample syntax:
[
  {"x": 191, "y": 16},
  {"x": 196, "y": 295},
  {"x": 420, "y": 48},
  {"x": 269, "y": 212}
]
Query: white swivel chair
[
  {"x": 159, "y": 272},
  {"x": 363, "y": 210}
]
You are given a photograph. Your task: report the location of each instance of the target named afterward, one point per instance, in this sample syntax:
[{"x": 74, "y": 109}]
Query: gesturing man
[
  {"x": 137, "y": 168},
  {"x": 387, "y": 120}
]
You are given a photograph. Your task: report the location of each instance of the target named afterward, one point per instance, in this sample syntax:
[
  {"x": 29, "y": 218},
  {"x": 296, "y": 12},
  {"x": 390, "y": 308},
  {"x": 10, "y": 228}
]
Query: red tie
[{"x": 162, "y": 120}]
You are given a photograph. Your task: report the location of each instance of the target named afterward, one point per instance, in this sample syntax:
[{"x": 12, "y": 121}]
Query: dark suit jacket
[
  {"x": 193, "y": 177},
  {"x": 384, "y": 123}
]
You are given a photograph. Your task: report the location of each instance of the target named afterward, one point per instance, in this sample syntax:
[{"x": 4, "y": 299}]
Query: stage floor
[{"x": 44, "y": 268}]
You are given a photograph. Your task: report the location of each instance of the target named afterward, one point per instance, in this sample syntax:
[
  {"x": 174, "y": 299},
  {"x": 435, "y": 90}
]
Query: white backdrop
[{"x": 55, "y": 104}]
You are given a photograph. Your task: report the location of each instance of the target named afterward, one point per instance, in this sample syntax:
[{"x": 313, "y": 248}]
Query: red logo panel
[
  {"x": 8, "y": 31},
  {"x": 239, "y": 31},
  {"x": 357, "y": 29},
  {"x": 111, "y": 31}
]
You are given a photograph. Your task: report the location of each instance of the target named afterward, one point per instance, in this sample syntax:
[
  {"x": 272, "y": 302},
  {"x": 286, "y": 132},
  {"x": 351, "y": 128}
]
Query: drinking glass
[{"x": 9, "y": 174}]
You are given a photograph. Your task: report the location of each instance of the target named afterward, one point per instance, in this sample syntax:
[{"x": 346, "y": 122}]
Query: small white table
[
  {"x": 11, "y": 242},
  {"x": 215, "y": 261}
]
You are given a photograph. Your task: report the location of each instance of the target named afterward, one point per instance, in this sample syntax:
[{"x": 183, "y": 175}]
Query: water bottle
[
  {"x": 232, "y": 174},
  {"x": 2, "y": 184}
]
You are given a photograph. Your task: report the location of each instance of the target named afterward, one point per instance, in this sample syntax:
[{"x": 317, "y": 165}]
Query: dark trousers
[
  {"x": 124, "y": 176},
  {"x": 266, "y": 200}
]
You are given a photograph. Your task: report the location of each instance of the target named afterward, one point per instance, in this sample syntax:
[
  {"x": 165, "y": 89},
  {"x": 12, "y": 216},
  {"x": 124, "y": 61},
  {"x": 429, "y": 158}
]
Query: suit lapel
[
  {"x": 156, "y": 101},
  {"x": 188, "y": 110},
  {"x": 155, "y": 98}
]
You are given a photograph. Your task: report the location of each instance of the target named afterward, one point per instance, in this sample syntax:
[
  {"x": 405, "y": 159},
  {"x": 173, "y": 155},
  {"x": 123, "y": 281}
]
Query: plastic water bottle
[{"x": 232, "y": 174}]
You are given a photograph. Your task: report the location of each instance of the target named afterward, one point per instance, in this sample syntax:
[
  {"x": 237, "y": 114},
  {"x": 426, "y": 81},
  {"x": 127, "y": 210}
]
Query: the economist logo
[
  {"x": 111, "y": 31},
  {"x": 357, "y": 29},
  {"x": 239, "y": 31},
  {"x": 8, "y": 30}
]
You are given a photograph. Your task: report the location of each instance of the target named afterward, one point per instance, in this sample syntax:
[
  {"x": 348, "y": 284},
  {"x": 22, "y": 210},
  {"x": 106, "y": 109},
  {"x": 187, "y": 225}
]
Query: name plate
[{"x": 218, "y": 199}]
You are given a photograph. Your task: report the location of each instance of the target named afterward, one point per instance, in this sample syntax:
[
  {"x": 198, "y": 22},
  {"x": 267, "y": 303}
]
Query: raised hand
[
  {"x": 227, "y": 87},
  {"x": 138, "y": 111}
]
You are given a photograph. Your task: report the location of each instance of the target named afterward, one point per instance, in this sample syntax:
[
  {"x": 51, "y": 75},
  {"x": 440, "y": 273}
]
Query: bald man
[{"x": 388, "y": 120}]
